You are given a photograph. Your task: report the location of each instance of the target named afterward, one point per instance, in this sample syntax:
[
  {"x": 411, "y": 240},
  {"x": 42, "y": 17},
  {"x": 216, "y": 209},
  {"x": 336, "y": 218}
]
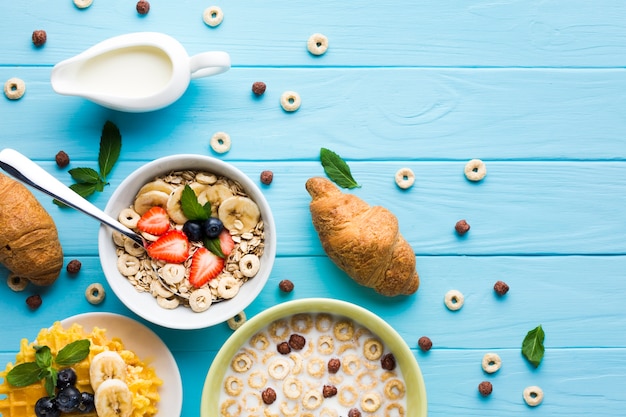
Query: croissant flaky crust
[
  {"x": 29, "y": 242},
  {"x": 363, "y": 240}
]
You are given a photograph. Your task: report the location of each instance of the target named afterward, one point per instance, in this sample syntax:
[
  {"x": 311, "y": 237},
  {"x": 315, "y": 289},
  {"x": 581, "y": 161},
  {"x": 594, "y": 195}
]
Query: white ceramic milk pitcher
[{"x": 136, "y": 72}]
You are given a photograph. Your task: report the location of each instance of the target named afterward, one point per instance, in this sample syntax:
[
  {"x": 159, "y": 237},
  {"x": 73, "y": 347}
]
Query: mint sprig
[
  {"x": 195, "y": 211},
  {"x": 337, "y": 169},
  {"x": 88, "y": 180},
  {"x": 28, "y": 373},
  {"x": 532, "y": 346}
]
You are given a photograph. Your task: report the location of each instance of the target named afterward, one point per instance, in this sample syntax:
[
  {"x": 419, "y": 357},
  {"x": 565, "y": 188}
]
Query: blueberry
[
  {"x": 65, "y": 378},
  {"x": 68, "y": 399},
  {"x": 86, "y": 404},
  {"x": 193, "y": 230},
  {"x": 47, "y": 407},
  {"x": 212, "y": 227}
]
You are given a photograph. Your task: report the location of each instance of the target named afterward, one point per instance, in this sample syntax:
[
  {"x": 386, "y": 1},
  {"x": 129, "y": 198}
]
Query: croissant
[
  {"x": 29, "y": 242},
  {"x": 362, "y": 240}
]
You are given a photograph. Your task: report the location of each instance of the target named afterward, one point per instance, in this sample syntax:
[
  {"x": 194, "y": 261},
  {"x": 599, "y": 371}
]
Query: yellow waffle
[{"x": 141, "y": 378}]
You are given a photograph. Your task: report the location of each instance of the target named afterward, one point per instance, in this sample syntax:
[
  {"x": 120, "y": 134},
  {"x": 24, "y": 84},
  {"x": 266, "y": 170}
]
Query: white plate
[{"x": 147, "y": 345}]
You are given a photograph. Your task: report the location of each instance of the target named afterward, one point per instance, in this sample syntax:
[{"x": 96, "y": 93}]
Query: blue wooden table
[{"x": 535, "y": 88}]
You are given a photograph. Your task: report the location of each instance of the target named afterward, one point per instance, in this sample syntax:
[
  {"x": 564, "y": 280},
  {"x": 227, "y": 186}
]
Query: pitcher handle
[{"x": 209, "y": 63}]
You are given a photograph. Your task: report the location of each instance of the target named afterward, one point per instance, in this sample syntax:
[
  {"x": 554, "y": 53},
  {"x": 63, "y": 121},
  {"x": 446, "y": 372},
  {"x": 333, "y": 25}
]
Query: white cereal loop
[
  {"x": 128, "y": 265},
  {"x": 133, "y": 248},
  {"x": 317, "y": 44},
  {"x": 292, "y": 387},
  {"x": 228, "y": 287},
  {"x": 290, "y": 101},
  {"x": 200, "y": 300},
  {"x": 533, "y": 395},
  {"x": 17, "y": 283},
  {"x": 475, "y": 170},
  {"x": 213, "y": 16},
  {"x": 491, "y": 362},
  {"x": 14, "y": 88},
  {"x": 172, "y": 273},
  {"x": 312, "y": 399},
  {"x": 167, "y": 303},
  {"x": 237, "y": 321},
  {"x": 129, "y": 218},
  {"x": 454, "y": 300},
  {"x": 249, "y": 265},
  {"x": 405, "y": 178},
  {"x": 82, "y": 4},
  {"x": 220, "y": 142},
  {"x": 95, "y": 293},
  {"x": 279, "y": 368}
]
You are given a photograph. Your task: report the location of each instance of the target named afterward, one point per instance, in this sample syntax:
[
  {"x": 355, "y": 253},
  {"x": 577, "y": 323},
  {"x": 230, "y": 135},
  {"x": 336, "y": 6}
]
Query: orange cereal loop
[
  {"x": 373, "y": 349},
  {"x": 325, "y": 345},
  {"x": 371, "y": 402},
  {"x": 366, "y": 380},
  {"x": 394, "y": 409},
  {"x": 350, "y": 364},
  {"x": 279, "y": 330},
  {"x": 259, "y": 341},
  {"x": 233, "y": 385},
  {"x": 312, "y": 399},
  {"x": 241, "y": 362},
  {"x": 257, "y": 379},
  {"x": 289, "y": 412},
  {"x": 230, "y": 408},
  {"x": 323, "y": 322},
  {"x": 344, "y": 330},
  {"x": 316, "y": 367},
  {"x": 301, "y": 323},
  {"x": 395, "y": 389},
  {"x": 348, "y": 396},
  {"x": 252, "y": 401}
]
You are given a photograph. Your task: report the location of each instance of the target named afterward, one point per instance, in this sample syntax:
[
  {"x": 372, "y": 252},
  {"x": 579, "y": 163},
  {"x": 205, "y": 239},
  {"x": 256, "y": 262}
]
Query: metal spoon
[{"x": 32, "y": 174}]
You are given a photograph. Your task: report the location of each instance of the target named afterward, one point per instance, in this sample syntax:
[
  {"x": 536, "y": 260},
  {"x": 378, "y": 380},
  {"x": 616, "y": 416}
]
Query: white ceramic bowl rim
[{"x": 143, "y": 304}]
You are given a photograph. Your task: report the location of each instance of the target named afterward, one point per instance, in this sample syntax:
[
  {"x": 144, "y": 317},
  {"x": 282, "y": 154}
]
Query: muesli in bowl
[{"x": 211, "y": 241}]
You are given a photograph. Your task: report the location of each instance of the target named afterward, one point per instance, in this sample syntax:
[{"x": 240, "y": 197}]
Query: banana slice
[
  {"x": 173, "y": 206},
  {"x": 105, "y": 366},
  {"x": 239, "y": 213},
  {"x": 113, "y": 399},
  {"x": 156, "y": 185},
  {"x": 215, "y": 194},
  {"x": 149, "y": 199}
]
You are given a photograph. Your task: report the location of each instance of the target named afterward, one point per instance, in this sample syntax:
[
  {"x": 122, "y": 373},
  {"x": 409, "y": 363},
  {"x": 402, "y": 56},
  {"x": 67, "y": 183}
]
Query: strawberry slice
[
  {"x": 171, "y": 247},
  {"x": 204, "y": 267},
  {"x": 155, "y": 221},
  {"x": 226, "y": 242}
]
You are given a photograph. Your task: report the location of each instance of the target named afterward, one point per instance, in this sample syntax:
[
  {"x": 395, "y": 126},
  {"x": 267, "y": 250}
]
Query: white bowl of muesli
[
  {"x": 315, "y": 357},
  {"x": 210, "y": 242}
]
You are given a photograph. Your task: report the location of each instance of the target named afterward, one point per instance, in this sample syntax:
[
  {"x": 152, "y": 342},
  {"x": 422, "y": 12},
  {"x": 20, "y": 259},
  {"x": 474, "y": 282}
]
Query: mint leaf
[
  {"x": 51, "y": 382},
  {"x": 73, "y": 352},
  {"x": 214, "y": 246},
  {"x": 110, "y": 146},
  {"x": 84, "y": 175},
  {"x": 532, "y": 346},
  {"x": 191, "y": 208},
  {"x": 24, "y": 374},
  {"x": 43, "y": 357},
  {"x": 337, "y": 169}
]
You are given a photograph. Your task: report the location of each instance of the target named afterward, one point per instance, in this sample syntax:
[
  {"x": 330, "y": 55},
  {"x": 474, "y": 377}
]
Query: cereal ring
[
  {"x": 237, "y": 321},
  {"x": 290, "y": 101},
  {"x": 475, "y": 170},
  {"x": 366, "y": 380},
  {"x": 252, "y": 401},
  {"x": 118, "y": 238},
  {"x": 344, "y": 330},
  {"x": 297, "y": 363},
  {"x": 82, "y": 4},
  {"x": 317, "y": 44},
  {"x": 128, "y": 265},
  {"x": 491, "y": 362},
  {"x": 167, "y": 303},
  {"x": 279, "y": 368},
  {"x": 395, "y": 389},
  {"x": 228, "y": 287},
  {"x": 350, "y": 364},
  {"x": 14, "y": 88},
  {"x": 242, "y": 362},
  {"x": 327, "y": 412},
  {"x": 95, "y": 293},
  {"x": 279, "y": 330},
  {"x": 213, "y": 16},
  {"x": 394, "y": 409},
  {"x": 129, "y": 218},
  {"x": 17, "y": 283},
  {"x": 259, "y": 341},
  {"x": 373, "y": 349},
  {"x": 316, "y": 367},
  {"x": 233, "y": 385},
  {"x": 533, "y": 395},
  {"x": 227, "y": 406},
  {"x": 325, "y": 345},
  {"x": 371, "y": 402},
  {"x": 405, "y": 178},
  {"x": 292, "y": 387},
  {"x": 348, "y": 396},
  {"x": 284, "y": 409},
  {"x": 346, "y": 346},
  {"x": 454, "y": 300},
  {"x": 200, "y": 300},
  {"x": 220, "y": 142},
  {"x": 257, "y": 379},
  {"x": 301, "y": 323},
  {"x": 312, "y": 399},
  {"x": 249, "y": 265},
  {"x": 323, "y": 322},
  {"x": 133, "y": 248},
  {"x": 171, "y": 273}
]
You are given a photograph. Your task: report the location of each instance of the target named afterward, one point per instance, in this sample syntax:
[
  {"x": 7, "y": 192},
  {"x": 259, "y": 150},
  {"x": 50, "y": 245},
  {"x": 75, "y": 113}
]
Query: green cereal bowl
[{"x": 416, "y": 391}]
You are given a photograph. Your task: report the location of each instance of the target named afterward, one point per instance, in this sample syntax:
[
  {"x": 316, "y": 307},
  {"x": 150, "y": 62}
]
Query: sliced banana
[
  {"x": 113, "y": 399},
  {"x": 217, "y": 193},
  {"x": 147, "y": 200},
  {"x": 105, "y": 366},
  {"x": 173, "y": 206},
  {"x": 200, "y": 299},
  {"x": 157, "y": 185},
  {"x": 239, "y": 214}
]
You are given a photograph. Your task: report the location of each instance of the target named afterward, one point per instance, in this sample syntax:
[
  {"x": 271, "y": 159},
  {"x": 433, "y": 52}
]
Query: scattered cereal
[
  {"x": 213, "y": 16},
  {"x": 475, "y": 170},
  {"x": 143, "y": 7},
  {"x": 82, "y": 4},
  {"x": 220, "y": 142},
  {"x": 62, "y": 159},
  {"x": 454, "y": 300},
  {"x": 39, "y": 37},
  {"x": 501, "y": 288},
  {"x": 290, "y": 101},
  {"x": 95, "y": 293},
  {"x": 17, "y": 283},
  {"x": 317, "y": 44},
  {"x": 533, "y": 396},
  {"x": 485, "y": 388},
  {"x": 405, "y": 178},
  {"x": 237, "y": 321},
  {"x": 258, "y": 88},
  {"x": 286, "y": 285},
  {"x": 267, "y": 177},
  {"x": 34, "y": 301},
  {"x": 425, "y": 343},
  {"x": 14, "y": 88},
  {"x": 73, "y": 266},
  {"x": 461, "y": 227},
  {"x": 491, "y": 362}
]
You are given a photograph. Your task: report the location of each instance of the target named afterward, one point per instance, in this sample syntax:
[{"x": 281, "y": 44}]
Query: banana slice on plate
[
  {"x": 113, "y": 399},
  {"x": 105, "y": 366},
  {"x": 239, "y": 213},
  {"x": 173, "y": 206},
  {"x": 149, "y": 199}
]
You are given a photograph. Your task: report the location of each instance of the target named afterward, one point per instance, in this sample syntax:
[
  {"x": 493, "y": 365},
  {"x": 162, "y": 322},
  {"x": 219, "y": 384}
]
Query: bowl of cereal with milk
[
  {"x": 314, "y": 357},
  {"x": 210, "y": 241}
]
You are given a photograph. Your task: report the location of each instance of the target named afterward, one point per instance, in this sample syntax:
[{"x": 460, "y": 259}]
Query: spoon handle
[{"x": 32, "y": 174}]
